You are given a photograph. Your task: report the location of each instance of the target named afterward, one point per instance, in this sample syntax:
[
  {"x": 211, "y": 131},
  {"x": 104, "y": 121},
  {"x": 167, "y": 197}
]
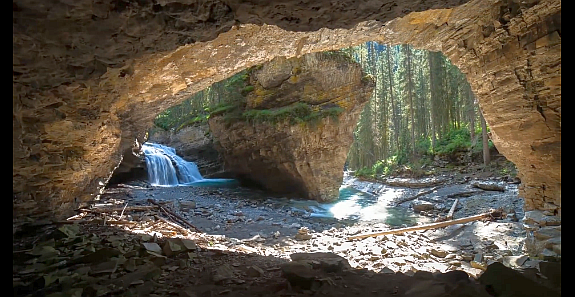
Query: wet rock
[{"x": 504, "y": 281}]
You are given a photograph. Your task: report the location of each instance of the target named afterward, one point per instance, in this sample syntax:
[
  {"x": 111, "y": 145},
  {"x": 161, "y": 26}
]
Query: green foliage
[
  {"x": 220, "y": 98},
  {"x": 364, "y": 172},
  {"x": 455, "y": 140},
  {"x": 222, "y": 108},
  {"x": 246, "y": 90},
  {"x": 195, "y": 120},
  {"x": 423, "y": 146},
  {"x": 296, "y": 113}
]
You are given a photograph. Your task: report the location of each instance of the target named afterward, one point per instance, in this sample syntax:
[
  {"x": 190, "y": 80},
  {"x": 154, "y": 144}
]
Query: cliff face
[{"x": 304, "y": 154}]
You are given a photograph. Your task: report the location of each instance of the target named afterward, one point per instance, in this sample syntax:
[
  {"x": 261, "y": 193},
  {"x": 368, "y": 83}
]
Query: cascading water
[{"x": 165, "y": 168}]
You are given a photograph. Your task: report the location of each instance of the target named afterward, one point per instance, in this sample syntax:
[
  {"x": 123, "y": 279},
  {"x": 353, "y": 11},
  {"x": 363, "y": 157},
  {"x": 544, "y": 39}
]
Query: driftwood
[
  {"x": 175, "y": 216},
  {"x": 452, "y": 210},
  {"x": 428, "y": 226},
  {"x": 174, "y": 225},
  {"x": 399, "y": 182},
  {"x": 416, "y": 196},
  {"x": 106, "y": 210},
  {"x": 489, "y": 186},
  {"x": 464, "y": 194},
  {"x": 83, "y": 221}
]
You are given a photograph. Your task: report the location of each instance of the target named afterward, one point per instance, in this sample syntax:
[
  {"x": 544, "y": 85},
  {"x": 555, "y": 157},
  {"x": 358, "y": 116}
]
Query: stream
[{"x": 222, "y": 206}]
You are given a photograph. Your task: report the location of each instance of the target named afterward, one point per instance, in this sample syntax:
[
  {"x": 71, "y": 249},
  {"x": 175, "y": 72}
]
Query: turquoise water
[
  {"x": 356, "y": 205},
  {"x": 214, "y": 182}
]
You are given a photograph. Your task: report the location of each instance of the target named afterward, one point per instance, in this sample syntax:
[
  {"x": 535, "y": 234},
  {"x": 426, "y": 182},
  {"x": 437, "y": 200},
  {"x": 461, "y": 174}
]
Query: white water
[{"x": 165, "y": 168}]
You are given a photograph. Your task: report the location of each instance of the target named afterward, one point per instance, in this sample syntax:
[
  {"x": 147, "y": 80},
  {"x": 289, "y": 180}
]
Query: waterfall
[{"x": 165, "y": 168}]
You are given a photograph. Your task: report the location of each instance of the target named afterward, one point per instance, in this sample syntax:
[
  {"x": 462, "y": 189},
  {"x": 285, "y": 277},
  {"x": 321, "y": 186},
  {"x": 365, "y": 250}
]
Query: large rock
[
  {"x": 504, "y": 281},
  {"x": 302, "y": 157}
]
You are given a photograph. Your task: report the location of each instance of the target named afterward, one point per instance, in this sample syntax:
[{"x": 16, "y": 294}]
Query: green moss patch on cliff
[{"x": 295, "y": 113}]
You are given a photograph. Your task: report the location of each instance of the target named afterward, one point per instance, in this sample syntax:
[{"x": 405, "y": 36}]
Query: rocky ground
[{"x": 203, "y": 241}]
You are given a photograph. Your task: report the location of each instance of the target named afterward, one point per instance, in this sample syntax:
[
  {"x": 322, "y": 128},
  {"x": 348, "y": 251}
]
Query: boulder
[
  {"x": 504, "y": 281},
  {"x": 294, "y": 134}
]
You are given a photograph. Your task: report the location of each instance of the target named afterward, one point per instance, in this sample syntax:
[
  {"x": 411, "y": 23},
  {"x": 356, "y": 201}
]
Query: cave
[{"x": 90, "y": 76}]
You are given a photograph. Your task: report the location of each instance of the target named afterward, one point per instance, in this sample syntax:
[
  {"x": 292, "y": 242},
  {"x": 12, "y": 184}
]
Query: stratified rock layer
[{"x": 304, "y": 158}]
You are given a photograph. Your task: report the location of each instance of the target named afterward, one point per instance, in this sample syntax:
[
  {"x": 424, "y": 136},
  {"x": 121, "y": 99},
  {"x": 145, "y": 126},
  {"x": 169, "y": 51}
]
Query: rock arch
[{"x": 69, "y": 137}]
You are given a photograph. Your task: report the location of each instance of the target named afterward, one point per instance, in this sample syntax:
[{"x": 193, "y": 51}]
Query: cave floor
[{"x": 263, "y": 247}]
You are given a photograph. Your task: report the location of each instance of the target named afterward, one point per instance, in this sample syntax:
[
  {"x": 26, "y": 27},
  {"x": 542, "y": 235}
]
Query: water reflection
[{"x": 361, "y": 206}]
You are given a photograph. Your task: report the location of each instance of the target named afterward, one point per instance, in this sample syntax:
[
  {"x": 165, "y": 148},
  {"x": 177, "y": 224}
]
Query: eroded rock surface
[{"x": 304, "y": 157}]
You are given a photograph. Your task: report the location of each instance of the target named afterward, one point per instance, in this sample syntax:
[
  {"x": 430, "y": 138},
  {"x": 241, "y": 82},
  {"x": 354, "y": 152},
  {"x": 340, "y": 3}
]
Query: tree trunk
[
  {"x": 486, "y": 157},
  {"x": 433, "y": 98},
  {"x": 410, "y": 95},
  {"x": 393, "y": 111}
]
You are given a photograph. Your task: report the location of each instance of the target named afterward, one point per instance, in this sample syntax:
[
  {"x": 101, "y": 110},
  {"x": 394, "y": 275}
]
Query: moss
[
  {"x": 195, "y": 120},
  {"x": 221, "y": 109},
  {"x": 246, "y": 90},
  {"x": 295, "y": 113}
]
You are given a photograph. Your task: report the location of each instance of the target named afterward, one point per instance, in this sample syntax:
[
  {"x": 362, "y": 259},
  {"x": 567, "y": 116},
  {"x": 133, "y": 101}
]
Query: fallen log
[
  {"x": 177, "y": 217},
  {"x": 428, "y": 226},
  {"x": 416, "y": 196},
  {"x": 452, "y": 210},
  {"x": 98, "y": 221},
  {"x": 173, "y": 225},
  {"x": 106, "y": 210},
  {"x": 407, "y": 183},
  {"x": 489, "y": 186},
  {"x": 464, "y": 194}
]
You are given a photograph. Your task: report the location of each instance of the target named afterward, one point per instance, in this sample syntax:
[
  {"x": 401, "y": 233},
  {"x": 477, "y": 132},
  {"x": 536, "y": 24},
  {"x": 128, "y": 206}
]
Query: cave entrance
[
  {"x": 411, "y": 76},
  {"x": 511, "y": 59}
]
